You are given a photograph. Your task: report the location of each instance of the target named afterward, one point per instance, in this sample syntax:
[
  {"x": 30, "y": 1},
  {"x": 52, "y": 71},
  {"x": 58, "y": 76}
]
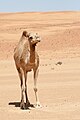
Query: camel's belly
[{"x": 28, "y": 67}]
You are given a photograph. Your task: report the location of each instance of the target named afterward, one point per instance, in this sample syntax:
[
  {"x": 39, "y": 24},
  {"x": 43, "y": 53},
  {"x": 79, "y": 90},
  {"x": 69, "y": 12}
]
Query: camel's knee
[
  {"x": 25, "y": 89},
  {"x": 35, "y": 89},
  {"x": 22, "y": 88}
]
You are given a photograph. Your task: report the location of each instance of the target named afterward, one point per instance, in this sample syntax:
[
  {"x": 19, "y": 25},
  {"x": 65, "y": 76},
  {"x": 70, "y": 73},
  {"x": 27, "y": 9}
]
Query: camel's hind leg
[
  {"x": 22, "y": 104},
  {"x": 35, "y": 88}
]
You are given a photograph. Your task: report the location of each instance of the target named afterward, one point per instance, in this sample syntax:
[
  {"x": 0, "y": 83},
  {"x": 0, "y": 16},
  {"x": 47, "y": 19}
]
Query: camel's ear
[
  {"x": 36, "y": 33},
  {"x": 25, "y": 33}
]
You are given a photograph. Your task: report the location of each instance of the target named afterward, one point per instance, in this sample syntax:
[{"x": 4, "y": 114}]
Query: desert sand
[{"x": 58, "y": 84}]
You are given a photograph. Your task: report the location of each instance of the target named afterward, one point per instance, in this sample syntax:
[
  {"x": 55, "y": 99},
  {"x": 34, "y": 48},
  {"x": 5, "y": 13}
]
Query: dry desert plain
[{"x": 58, "y": 84}]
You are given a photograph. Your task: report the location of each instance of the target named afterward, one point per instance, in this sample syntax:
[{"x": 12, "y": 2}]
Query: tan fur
[{"x": 27, "y": 59}]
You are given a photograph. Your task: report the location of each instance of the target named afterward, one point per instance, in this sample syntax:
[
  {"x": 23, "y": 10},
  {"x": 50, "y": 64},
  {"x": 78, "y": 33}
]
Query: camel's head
[{"x": 34, "y": 38}]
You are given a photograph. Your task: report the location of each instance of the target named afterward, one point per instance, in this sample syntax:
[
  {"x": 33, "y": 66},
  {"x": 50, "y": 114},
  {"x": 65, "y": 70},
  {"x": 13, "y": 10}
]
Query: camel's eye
[{"x": 30, "y": 37}]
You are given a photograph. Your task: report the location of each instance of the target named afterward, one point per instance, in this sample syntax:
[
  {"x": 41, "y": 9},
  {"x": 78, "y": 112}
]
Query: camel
[{"x": 26, "y": 59}]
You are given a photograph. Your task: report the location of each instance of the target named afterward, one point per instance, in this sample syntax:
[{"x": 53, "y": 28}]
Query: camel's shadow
[{"x": 17, "y": 104}]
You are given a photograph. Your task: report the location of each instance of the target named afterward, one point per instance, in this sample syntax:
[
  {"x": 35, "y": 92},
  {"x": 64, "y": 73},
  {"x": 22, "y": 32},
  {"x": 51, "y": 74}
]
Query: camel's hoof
[
  {"x": 22, "y": 106},
  {"x": 38, "y": 105},
  {"x": 28, "y": 104},
  {"x": 31, "y": 105}
]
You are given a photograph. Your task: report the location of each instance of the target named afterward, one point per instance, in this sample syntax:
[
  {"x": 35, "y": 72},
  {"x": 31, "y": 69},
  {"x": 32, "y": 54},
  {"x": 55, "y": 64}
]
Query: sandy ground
[{"x": 58, "y": 85}]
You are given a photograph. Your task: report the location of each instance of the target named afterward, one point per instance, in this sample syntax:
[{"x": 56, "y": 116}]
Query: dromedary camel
[{"x": 27, "y": 59}]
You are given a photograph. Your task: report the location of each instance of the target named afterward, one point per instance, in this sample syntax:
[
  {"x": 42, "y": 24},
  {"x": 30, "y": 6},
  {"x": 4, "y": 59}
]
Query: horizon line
[{"x": 43, "y": 11}]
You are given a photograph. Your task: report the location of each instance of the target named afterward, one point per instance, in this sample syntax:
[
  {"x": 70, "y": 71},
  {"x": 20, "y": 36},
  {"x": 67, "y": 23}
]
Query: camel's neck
[{"x": 32, "y": 54}]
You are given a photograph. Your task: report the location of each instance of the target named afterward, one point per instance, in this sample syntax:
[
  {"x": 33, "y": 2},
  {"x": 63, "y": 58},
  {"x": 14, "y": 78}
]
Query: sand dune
[{"x": 59, "y": 85}]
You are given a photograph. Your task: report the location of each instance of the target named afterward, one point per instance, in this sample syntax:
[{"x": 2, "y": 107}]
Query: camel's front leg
[
  {"x": 27, "y": 101},
  {"x": 22, "y": 105},
  {"x": 35, "y": 88}
]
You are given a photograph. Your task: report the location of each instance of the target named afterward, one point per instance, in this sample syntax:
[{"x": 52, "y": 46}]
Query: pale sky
[{"x": 38, "y": 5}]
